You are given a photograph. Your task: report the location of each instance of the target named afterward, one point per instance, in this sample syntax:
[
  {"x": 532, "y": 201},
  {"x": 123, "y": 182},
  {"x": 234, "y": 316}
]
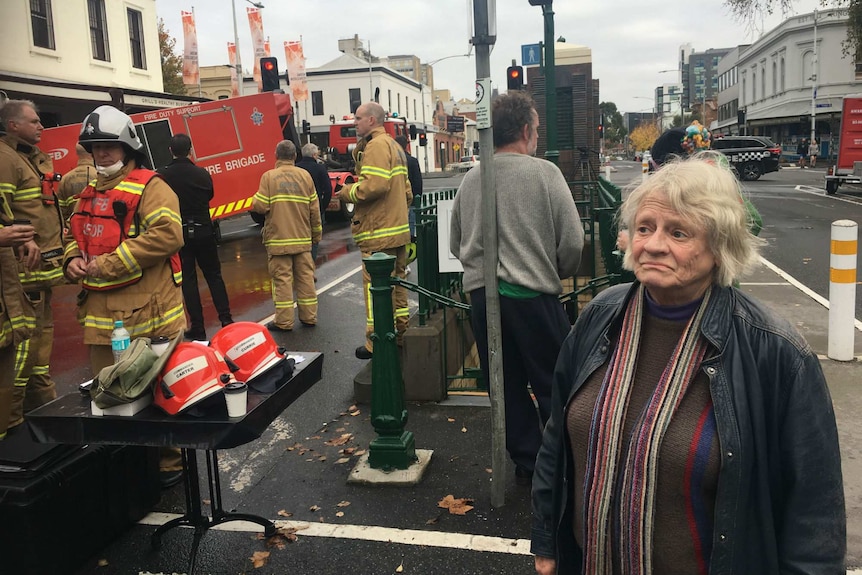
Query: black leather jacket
[{"x": 780, "y": 501}]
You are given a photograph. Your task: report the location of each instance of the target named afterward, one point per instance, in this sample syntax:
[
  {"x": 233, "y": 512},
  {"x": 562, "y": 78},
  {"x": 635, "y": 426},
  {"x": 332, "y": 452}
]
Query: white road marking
[
  {"x": 821, "y": 192},
  {"x": 802, "y": 287},
  {"x": 464, "y": 541},
  {"x": 246, "y": 468},
  {"x": 764, "y": 283}
]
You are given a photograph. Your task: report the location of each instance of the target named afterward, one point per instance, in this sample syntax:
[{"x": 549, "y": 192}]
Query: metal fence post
[{"x": 394, "y": 447}]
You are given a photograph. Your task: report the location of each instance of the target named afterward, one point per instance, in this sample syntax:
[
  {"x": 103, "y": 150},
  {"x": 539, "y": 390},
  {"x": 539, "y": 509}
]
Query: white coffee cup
[
  {"x": 236, "y": 395},
  {"x": 159, "y": 344}
]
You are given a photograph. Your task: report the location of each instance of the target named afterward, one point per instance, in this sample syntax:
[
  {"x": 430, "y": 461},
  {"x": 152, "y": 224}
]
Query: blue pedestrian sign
[{"x": 531, "y": 54}]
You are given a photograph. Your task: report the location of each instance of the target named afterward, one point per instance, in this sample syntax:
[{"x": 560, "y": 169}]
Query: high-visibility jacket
[
  {"x": 288, "y": 199},
  {"x": 17, "y": 319},
  {"x": 103, "y": 220},
  {"x": 153, "y": 304},
  {"x": 32, "y": 197},
  {"x": 381, "y": 194}
]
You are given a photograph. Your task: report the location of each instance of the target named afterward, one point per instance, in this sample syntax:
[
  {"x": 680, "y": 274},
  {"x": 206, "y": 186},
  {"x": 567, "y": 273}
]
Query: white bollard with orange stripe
[
  {"x": 645, "y": 168},
  {"x": 842, "y": 290}
]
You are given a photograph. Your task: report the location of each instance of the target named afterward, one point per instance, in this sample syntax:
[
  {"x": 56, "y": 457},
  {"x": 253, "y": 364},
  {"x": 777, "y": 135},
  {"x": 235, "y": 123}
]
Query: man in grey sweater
[{"x": 540, "y": 240}]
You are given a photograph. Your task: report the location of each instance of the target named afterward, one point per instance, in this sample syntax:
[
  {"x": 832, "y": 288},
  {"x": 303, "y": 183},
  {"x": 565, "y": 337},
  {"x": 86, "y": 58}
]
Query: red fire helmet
[
  {"x": 256, "y": 358},
  {"x": 192, "y": 373}
]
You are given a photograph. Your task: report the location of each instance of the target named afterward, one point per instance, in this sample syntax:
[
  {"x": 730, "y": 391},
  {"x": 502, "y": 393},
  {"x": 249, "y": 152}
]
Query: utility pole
[
  {"x": 236, "y": 49},
  {"x": 552, "y": 154},
  {"x": 485, "y": 35}
]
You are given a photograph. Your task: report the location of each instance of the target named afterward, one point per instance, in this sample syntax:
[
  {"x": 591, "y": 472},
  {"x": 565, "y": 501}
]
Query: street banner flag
[
  {"x": 234, "y": 79},
  {"x": 296, "y": 70},
  {"x": 255, "y": 22},
  {"x": 191, "y": 74}
]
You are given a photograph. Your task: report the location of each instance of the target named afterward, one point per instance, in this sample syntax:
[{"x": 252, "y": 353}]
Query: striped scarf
[{"x": 619, "y": 503}]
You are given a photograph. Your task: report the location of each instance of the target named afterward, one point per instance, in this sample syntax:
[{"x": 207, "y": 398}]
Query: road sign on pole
[{"x": 531, "y": 54}]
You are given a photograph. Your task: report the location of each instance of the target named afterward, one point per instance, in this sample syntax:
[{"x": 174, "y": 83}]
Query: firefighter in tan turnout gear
[
  {"x": 28, "y": 184},
  {"x": 74, "y": 182},
  {"x": 288, "y": 199},
  {"x": 17, "y": 319},
  {"x": 126, "y": 235},
  {"x": 381, "y": 194}
]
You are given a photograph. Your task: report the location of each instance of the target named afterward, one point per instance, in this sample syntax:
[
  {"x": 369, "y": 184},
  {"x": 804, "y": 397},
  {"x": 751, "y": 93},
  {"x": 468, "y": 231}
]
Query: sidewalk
[{"x": 302, "y": 483}]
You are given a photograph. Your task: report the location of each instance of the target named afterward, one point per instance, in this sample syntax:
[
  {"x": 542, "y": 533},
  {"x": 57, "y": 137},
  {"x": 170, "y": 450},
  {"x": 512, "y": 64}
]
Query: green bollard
[{"x": 394, "y": 447}]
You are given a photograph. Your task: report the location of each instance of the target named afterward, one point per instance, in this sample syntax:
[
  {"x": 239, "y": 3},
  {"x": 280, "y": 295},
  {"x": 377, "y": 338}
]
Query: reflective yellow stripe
[
  {"x": 99, "y": 284},
  {"x": 288, "y": 242},
  {"x": 402, "y": 312},
  {"x": 32, "y": 277},
  {"x": 70, "y": 247},
  {"x": 162, "y": 212},
  {"x": 128, "y": 259},
  {"x": 260, "y": 197},
  {"x": 136, "y": 330},
  {"x": 21, "y": 353},
  {"x": 7, "y": 188},
  {"x": 307, "y": 301},
  {"x": 283, "y": 304},
  {"x": 25, "y": 194},
  {"x": 381, "y": 233},
  {"x": 130, "y": 187},
  {"x": 843, "y": 247},
  {"x": 842, "y": 276}
]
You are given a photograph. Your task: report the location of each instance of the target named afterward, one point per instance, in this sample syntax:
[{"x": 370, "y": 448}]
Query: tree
[
  {"x": 615, "y": 131},
  {"x": 644, "y": 135},
  {"x": 750, "y": 11},
  {"x": 172, "y": 65}
]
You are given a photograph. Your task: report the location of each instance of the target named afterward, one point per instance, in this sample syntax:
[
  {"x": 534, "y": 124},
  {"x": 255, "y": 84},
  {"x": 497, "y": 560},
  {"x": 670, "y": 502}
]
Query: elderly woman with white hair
[{"x": 691, "y": 429}]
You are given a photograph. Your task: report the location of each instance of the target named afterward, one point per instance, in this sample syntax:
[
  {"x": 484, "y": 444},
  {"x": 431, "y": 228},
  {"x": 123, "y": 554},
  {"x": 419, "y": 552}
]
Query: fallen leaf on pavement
[
  {"x": 450, "y": 419},
  {"x": 489, "y": 470},
  {"x": 342, "y": 460},
  {"x": 347, "y": 450},
  {"x": 400, "y": 568},
  {"x": 464, "y": 429},
  {"x": 360, "y": 453},
  {"x": 102, "y": 563},
  {"x": 322, "y": 458},
  {"x": 455, "y": 506},
  {"x": 355, "y": 413},
  {"x": 314, "y": 437},
  {"x": 352, "y": 408},
  {"x": 339, "y": 514},
  {"x": 284, "y": 513},
  {"x": 282, "y": 537},
  {"x": 344, "y": 438},
  {"x": 259, "y": 559},
  {"x": 343, "y": 504},
  {"x": 433, "y": 520},
  {"x": 314, "y": 508},
  {"x": 339, "y": 430}
]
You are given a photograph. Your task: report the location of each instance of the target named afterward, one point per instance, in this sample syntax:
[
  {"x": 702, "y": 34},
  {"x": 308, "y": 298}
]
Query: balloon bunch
[{"x": 696, "y": 138}]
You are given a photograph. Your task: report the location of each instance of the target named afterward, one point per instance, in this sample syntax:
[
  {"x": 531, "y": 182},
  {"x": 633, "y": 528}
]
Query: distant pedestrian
[
  {"x": 802, "y": 150},
  {"x": 813, "y": 151},
  {"x": 288, "y": 200},
  {"x": 74, "y": 182},
  {"x": 540, "y": 240},
  {"x": 193, "y": 186},
  {"x": 414, "y": 174},
  {"x": 311, "y": 163}
]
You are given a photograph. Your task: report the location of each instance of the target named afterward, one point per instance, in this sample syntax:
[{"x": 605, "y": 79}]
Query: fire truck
[
  {"x": 848, "y": 168},
  {"x": 233, "y": 139},
  {"x": 339, "y": 156}
]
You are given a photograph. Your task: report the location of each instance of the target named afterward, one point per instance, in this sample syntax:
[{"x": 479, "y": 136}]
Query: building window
[
  {"x": 398, "y": 99},
  {"x": 754, "y": 86},
  {"x": 136, "y": 39},
  {"x": 98, "y": 30},
  {"x": 317, "y": 103},
  {"x": 782, "y": 74},
  {"x": 355, "y": 97},
  {"x": 762, "y": 82},
  {"x": 43, "y": 23}
]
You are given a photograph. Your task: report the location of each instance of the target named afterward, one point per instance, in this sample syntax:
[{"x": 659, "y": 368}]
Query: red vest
[{"x": 104, "y": 220}]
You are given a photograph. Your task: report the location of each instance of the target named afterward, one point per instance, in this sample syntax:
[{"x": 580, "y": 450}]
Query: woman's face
[{"x": 671, "y": 256}]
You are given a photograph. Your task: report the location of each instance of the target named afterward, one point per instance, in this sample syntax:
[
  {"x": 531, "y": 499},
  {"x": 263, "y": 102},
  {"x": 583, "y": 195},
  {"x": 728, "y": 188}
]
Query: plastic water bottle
[{"x": 119, "y": 340}]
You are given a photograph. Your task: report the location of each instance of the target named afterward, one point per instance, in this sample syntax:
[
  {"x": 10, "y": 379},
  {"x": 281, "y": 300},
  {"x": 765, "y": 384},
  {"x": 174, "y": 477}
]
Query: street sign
[
  {"x": 483, "y": 103},
  {"x": 454, "y": 123},
  {"x": 824, "y": 105},
  {"x": 531, "y": 54}
]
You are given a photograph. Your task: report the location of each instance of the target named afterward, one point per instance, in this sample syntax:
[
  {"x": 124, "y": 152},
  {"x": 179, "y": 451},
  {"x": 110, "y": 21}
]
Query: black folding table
[{"x": 68, "y": 420}]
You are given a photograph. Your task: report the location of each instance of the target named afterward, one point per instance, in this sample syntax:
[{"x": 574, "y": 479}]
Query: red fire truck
[
  {"x": 848, "y": 168},
  {"x": 233, "y": 139}
]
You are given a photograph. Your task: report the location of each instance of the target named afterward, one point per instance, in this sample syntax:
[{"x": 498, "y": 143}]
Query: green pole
[
  {"x": 552, "y": 153},
  {"x": 394, "y": 447}
]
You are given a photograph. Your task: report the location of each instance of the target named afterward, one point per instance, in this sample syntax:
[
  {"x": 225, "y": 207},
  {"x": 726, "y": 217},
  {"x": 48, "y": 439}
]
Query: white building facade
[
  {"x": 68, "y": 54},
  {"x": 782, "y": 80}
]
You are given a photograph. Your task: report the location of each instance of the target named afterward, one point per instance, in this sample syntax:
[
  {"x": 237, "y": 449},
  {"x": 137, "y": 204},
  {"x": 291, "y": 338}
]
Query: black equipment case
[{"x": 61, "y": 504}]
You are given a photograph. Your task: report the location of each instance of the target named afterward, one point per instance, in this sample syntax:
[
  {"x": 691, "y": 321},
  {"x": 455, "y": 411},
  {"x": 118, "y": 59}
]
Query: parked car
[
  {"x": 465, "y": 164},
  {"x": 750, "y": 156}
]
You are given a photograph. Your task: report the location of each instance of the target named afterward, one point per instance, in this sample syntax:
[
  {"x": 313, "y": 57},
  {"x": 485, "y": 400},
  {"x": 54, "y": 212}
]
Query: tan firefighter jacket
[
  {"x": 154, "y": 305},
  {"x": 21, "y": 169},
  {"x": 72, "y": 184},
  {"x": 287, "y": 198},
  {"x": 381, "y": 194}
]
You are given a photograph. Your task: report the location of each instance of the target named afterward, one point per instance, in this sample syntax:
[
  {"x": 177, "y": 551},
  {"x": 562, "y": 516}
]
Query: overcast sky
[{"x": 631, "y": 40}]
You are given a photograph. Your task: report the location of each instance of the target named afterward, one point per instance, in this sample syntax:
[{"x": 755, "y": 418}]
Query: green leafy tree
[
  {"x": 172, "y": 65},
  {"x": 615, "y": 131},
  {"x": 751, "y": 11}
]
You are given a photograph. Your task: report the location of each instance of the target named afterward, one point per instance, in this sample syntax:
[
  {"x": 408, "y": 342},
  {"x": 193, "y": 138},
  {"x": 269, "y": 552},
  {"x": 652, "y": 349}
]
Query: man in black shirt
[
  {"x": 322, "y": 185},
  {"x": 414, "y": 174},
  {"x": 194, "y": 188}
]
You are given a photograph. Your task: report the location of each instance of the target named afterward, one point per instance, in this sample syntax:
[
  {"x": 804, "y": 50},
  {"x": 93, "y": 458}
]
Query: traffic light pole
[
  {"x": 552, "y": 153},
  {"x": 483, "y": 40}
]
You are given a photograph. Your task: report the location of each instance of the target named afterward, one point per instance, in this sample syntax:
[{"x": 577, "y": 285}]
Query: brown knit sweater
[{"x": 685, "y": 497}]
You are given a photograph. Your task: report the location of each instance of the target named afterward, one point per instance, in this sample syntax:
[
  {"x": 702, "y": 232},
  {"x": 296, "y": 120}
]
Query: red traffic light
[
  {"x": 514, "y": 73},
  {"x": 515, "y": 78},
  {"x": 268, "y": 65}
]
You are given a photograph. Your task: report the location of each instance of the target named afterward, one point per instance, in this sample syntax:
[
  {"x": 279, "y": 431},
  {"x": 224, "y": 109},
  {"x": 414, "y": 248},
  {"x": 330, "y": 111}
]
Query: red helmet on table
[
  {"x": 253, "y": 355},
  {"x": 192, "y": 373}
]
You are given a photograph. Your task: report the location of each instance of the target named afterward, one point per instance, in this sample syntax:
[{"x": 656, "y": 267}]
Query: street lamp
[{"x": 236, "y": 41}]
